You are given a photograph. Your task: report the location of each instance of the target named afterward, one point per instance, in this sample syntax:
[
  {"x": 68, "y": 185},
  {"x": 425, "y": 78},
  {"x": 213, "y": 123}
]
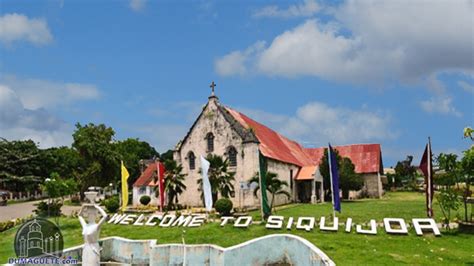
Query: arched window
[
  {"x": 192, "y": 160},
  {"x": 210, "y": 142},
  {"x": 232, "y": 155}
]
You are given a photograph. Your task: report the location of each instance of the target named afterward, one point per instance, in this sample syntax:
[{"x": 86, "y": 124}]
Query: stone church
[{"x": 228, "y": 133}]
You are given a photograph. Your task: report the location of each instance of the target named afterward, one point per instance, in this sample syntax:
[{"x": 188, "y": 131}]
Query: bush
[
  {"x": 112, "y": 205},
  {"x": 223, "y": 206},
  {"x": 52, "y": 209},
  {"x": 145, "y": 200},
  {"x": 4, "y": 226},
  {"x": 75, "y": 199}
]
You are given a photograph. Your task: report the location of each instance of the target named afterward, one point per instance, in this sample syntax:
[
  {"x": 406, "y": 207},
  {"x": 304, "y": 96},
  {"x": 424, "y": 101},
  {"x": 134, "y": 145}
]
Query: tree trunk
[
  {"x": 345, "y": 194},
  {"x": 271, "y": 202},
  {"x": 214, "y": 198}
]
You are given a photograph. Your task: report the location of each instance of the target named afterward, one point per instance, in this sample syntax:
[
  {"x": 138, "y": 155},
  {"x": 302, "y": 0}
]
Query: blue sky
[{"x": 389, "y": 72}]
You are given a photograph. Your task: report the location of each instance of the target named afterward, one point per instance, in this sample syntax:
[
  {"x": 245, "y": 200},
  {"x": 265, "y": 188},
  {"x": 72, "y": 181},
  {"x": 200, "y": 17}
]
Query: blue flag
[{"x": 334, "y": 174}]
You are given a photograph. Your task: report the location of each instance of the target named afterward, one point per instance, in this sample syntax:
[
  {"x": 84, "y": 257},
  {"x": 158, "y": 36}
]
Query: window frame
[
  {"x": 210, "y": 142},
  {"x": 232, "y": 151},
  {"x": 191, "y": 160}
]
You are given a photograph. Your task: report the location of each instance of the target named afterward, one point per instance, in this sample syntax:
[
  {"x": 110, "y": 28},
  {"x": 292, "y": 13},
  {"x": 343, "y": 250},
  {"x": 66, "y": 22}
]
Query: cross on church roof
[{"x": 212, "y": 86}]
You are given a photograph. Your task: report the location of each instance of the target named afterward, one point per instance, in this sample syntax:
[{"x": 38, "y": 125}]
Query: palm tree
[
  {"x": 174, "y": 179},
  {"x": 221, "y": 180},
  {"x": 274, "y": 185}
]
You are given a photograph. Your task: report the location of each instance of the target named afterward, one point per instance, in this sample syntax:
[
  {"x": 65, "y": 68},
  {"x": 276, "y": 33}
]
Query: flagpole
[
  {"x": 159, "y": 184},
  {"x": 430, "y": 178},
  {"x": 260, "y": 181},
  {"x": 330, "y": 178}
]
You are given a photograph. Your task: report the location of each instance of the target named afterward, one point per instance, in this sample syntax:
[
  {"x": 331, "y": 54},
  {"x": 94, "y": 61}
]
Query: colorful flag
[
  {"x": 334, "y": 174},
  {"x": 266, "y": 211},
  {"x": 206, "y": 185},
  {"x": 125, "y": 176},
  {"x": 426, "y": 167},
  {"x": 161, "y": 182}
]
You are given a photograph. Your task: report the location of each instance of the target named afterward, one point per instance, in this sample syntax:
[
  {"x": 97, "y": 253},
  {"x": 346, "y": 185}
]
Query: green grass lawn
[{"x": 343, "y": 248}]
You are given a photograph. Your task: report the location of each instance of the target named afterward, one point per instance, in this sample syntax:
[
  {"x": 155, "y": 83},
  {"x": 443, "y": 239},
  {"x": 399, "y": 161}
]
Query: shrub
[
  {"x": 51, "y": 209},
  {"x": 112, "y": 205},
  {"x": 223, "y": 206},
  {"x": 75, "y": 199},
  {"x": 145, "y": 200},
  {"x": 4, "y": 226}
]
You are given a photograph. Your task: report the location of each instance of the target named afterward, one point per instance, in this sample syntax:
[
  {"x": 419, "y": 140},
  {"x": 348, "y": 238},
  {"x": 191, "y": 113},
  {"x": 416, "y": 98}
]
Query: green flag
[{"x": 266, "y": 211}]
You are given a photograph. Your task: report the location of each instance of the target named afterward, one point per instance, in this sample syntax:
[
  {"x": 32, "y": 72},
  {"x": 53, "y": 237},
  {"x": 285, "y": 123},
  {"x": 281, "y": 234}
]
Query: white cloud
[
  {"x": 371, "y": 42},
  {"x": 16, "y": 27},
  {"x": 137, "y": 5},
  {"x": 317, "y": 123},
  {"x": 36, "y": 93},
  {"x": 18, "y": 122},
  {"x": 441, "y": 102},
  {"x": 235, "y": 62},
  {"x": 306, "y": 9},
  {"x": 466, "y": 86},
  {"x": 24, "y": 104}
]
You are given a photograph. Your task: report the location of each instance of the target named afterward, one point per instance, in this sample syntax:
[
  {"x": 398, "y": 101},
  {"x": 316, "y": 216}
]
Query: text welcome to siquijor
[{"x": 391, "y": 225}]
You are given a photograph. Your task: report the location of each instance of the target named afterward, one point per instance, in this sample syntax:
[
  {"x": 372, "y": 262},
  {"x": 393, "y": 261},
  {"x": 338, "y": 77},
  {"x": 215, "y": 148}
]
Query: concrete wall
[
  {"x": 138, "y": 193},
  {"x": 373, "y": 185},
  {"x": 224, "y": 137},
  {"x": 271, "y": 249},
  {"x": 283, "y": 171}
]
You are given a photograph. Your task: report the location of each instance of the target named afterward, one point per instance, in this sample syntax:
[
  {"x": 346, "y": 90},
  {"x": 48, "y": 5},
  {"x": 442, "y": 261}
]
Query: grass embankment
[{"x": 343, "y": 248}]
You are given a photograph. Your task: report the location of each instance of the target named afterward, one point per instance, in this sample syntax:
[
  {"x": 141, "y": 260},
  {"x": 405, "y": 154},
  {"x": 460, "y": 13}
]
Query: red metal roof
[
  {"x": 306, "y": 173},
  {"x": 146, "y": 179},
  {"x": 367, "y": 158},
  {"x": 272, "y": 144}
]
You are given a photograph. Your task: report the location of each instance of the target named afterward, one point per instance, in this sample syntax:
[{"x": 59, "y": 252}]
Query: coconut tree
[
  {"x": 274, "y": 185},
  {"x": 222, "y": 181},
  {"x": 174, "y": 179}
]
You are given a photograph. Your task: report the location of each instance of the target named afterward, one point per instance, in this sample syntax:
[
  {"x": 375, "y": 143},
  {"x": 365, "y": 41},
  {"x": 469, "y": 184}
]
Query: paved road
[{"x": 22, "y": 210}]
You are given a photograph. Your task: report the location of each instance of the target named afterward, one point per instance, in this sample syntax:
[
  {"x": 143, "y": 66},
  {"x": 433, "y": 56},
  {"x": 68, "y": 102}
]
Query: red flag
[
  {"x": 161, "y": 182},
  {"x": 426, "y": 167}
]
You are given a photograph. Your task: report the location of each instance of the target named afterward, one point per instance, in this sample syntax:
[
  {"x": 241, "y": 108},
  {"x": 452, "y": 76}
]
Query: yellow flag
[{"x": 125, "y": 176}]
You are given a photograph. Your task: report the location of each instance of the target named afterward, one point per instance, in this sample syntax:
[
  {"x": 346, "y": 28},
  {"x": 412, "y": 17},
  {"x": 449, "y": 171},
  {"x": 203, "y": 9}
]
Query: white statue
[{"x": 91, "y": 230}]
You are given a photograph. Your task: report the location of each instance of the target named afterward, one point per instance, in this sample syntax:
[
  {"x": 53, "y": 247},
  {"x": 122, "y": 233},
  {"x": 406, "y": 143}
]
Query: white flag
[{"x": 206, "y": 185}]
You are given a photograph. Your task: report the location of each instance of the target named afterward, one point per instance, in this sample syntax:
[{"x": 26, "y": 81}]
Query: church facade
[{"x": 228, "y": 133}]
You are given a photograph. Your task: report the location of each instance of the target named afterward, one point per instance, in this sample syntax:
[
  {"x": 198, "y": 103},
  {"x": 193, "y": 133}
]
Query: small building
[{"x": 146, "y": 184}]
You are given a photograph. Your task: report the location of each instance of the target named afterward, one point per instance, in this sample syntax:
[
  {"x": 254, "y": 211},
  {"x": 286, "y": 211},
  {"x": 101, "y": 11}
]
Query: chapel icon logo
[{"x": 38, "y": 238}]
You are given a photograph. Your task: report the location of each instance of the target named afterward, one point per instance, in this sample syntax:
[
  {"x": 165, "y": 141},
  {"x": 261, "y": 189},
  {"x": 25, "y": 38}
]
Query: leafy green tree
[
  {"x": 467, "y": 174},
  {"x": 131, "y": 151},
  {"x": 174, "y": 181},
  {"x": 450, "y": 166},
  {"x": 220, "y": 178},
  {"x": 274, "y": 186},
  {"x": 469, "y": 133},
  {"x": 20, "y": 165},
  {"x": 58, "y": 188},
  {"x": 448, "y": 202},
  {"x": 64, "y": 161},
  {"x": 100, "y": 162},
  {"x": 448, "y": 178},
  {"x": 324, "y": 170},
  {"x": 348, "y": 178},
  {"x": 168, "y": 155},
  {"x": 406, "y": 172}
]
